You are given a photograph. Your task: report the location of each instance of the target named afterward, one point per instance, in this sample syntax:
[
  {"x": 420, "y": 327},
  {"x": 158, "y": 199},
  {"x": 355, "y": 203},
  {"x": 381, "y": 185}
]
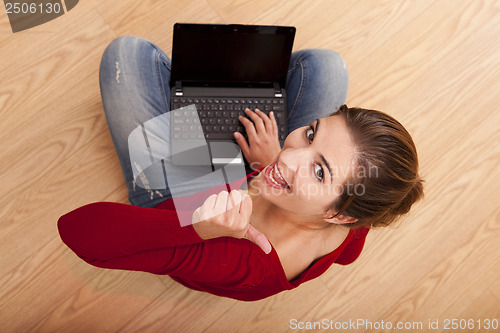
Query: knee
[
  {"x": 123, "y": 45},
  {"x": 323, "y": 64},
  {"x": 325, "y": 70},
  {"x": 126, "y": 50},
  {"x": 324, "y": 61},
  {"x": 320, "y": 56}
]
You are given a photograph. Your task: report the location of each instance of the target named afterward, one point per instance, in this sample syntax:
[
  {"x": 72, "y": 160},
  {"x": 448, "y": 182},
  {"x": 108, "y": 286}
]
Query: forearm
[{"x": 103, "y": 231}]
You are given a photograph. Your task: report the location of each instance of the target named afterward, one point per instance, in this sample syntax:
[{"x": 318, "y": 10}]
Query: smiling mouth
[{"x": 274, "y": 177}]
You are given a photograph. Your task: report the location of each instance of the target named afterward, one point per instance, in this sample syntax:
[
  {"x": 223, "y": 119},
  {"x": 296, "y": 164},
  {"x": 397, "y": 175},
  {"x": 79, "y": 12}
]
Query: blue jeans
[{"x": 134, "y": 78}]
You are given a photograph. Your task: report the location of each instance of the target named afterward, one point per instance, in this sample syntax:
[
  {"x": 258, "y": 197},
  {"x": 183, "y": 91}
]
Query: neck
[{"x": 264, "y": 210}]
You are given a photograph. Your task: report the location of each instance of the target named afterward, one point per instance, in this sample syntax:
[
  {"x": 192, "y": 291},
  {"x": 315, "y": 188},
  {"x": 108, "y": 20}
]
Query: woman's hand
[
  {"x": 263, "y": 145},
  {"x": 228, "y": 215}
]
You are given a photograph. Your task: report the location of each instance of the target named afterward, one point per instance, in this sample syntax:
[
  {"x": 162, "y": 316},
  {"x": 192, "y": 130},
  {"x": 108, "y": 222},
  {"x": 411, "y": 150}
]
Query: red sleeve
[
  {"x": 120, "y": 236},
  {"x": 106, "y": 230}
]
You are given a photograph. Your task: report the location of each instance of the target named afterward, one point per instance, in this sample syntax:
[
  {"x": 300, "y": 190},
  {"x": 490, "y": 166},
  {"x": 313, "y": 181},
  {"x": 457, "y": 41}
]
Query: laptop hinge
[
  {"x": 178, "y": 89},
  {"x": 277, "y": 90}
]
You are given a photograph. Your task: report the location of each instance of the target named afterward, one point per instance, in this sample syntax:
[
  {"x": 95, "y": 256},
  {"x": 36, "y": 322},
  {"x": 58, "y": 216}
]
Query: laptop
[{"x": 218, "y": 70}]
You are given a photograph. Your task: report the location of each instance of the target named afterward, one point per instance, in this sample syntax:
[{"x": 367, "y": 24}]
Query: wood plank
[
  {"x": 24, "y": 44},
  {"x": 484, "y": 311},
  {"x": 175, "y": 312},
  {"x": 52, "y": 143},
  {"x": 495, "y": 287},
  {"x": 141, "y": 18},
  {"x": 162, "y": 35},
  {"x": 100, "y": 299},
  {"x": 433, "y": 65}
]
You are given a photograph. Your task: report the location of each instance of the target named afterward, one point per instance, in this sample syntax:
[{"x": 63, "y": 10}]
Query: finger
[
  {"x": 234, "y": 199},
  {"x": 267, "y": 121},
  {"x": 245, "y": 211},
  {"x": 246, "y": 205},
  {"x": 259, "y": 123},
  {"x": 259, "y": 238},
  {"x": 274, "y": 123},
  {"x": 249, "y": 127},
  {"x": 210, "y": 202},
  {"x": 242, "y": 142},
  {"x": 196, "y": 216},
  {"x": 206, "y": 210},
  {"x": 221, "y": 203}
]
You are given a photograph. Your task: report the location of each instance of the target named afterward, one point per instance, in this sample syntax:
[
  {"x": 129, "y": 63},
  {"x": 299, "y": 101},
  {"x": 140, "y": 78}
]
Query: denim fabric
[{"x": 134, "y": 78}]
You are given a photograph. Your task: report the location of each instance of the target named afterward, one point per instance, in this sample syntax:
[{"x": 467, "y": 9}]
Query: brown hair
[{"x": 385, "y": 182}]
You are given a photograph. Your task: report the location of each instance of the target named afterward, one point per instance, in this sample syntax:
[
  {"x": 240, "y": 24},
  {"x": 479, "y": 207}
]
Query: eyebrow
[{"x": 323, "y": 159}]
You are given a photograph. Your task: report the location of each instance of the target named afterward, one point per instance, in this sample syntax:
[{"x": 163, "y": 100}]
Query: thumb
[
  {"x": 240, "y": 140},
  {"x": 258, "y": 238}
]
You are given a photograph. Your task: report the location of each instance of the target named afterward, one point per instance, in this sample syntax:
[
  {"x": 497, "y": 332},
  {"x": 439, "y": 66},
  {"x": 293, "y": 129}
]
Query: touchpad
[{"x": 226, "y": 152}]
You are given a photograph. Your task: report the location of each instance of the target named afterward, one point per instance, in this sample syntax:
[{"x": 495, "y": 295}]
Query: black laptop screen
[{"x": 231, "y": 54}]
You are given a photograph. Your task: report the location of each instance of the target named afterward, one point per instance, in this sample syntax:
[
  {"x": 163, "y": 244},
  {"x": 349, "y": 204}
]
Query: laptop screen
[{"x": 231, "y": 55}]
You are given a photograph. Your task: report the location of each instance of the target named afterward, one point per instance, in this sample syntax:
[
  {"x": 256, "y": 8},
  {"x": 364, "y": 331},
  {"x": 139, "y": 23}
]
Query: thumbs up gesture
[{"x": 227, "y": 214}]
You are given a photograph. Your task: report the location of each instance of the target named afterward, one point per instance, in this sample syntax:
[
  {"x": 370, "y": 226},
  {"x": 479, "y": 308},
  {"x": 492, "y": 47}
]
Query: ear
[{"x": 339, "y": 219}]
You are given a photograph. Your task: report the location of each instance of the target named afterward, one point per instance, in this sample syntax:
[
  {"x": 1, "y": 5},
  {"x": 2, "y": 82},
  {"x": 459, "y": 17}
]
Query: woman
[{"x": 308, "y": 205}]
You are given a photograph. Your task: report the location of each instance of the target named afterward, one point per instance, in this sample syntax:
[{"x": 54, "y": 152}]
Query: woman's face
[{"x": 308, "y": 174}]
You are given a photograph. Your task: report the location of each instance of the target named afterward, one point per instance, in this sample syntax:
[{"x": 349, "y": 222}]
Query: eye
[
  {"x": 309, "y": 133},
  {"x": 318, "y": 172}
]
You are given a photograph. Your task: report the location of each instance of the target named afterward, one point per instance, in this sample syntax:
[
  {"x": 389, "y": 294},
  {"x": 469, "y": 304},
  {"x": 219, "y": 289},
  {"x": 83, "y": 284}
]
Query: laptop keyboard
[{"x": 218, "y": 117}]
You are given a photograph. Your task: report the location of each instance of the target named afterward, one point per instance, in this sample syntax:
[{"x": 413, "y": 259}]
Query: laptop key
[{"x": 219, "y": 116}]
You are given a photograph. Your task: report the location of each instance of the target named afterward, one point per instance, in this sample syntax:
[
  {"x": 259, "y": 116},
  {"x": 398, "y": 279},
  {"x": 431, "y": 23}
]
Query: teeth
[
  {"x": 275, "y": 171},
  {"x": 273, "y": 180},
  {"x": 278, "y": 172}
]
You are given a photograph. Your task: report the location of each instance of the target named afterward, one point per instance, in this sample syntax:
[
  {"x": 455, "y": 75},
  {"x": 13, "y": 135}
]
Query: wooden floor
[{"x": 434, "y": 65}]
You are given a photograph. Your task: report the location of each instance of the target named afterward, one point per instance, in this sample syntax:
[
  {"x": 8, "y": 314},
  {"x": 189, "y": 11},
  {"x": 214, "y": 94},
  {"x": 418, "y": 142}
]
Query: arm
[
  {"x": 120, "y": 236},
  {"x": 106, "y": 230}
]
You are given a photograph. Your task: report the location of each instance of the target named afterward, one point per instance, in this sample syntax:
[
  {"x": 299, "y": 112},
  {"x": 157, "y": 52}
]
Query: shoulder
[{"x": 353, "y": 247}]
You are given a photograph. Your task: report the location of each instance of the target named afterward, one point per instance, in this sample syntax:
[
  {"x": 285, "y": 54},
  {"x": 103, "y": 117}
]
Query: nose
[{"x": 292, "y": 161}]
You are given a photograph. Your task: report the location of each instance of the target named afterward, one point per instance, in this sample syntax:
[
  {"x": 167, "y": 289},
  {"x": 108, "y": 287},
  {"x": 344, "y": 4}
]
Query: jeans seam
[
  {"x": 300, "y": 91},
  {"x": 162, "y": 192},
  {"x": 160, "y": 79}
]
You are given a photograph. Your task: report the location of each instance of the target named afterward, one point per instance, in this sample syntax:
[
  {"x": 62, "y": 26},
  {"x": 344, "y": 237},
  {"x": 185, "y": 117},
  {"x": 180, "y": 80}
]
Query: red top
[{"x": 121, "y": 236}]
